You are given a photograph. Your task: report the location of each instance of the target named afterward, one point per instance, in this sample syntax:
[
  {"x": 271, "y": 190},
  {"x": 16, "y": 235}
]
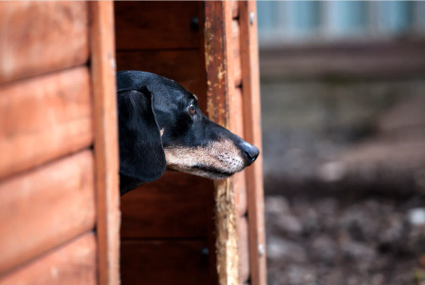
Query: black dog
[{"x": 161, "y": 126}]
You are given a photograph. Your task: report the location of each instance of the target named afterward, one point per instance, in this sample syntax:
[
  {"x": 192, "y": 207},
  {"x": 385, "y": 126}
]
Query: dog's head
[{"x": 161, "y": 126}]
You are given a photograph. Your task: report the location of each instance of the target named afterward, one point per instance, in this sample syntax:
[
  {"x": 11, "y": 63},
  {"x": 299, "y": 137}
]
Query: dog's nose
[{"x": 250, "y": 152}]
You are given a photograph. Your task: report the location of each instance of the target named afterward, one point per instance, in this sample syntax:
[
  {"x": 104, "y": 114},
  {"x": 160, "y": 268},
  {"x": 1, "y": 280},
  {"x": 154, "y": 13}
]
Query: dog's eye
[{"x": 192, "y": 109}]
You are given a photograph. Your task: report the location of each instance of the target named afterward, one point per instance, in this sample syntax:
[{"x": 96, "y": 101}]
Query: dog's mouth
[
  {"x": 211, "y": 172},
  {"x": 203, "y": 171},
  {"x": 218, "y": 160}
]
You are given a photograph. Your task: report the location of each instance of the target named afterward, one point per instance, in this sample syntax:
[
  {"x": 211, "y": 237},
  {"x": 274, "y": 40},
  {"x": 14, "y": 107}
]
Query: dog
[{"x": 161, "y": 127}]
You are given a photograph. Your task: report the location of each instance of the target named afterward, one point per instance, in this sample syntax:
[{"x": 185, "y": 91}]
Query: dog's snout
[{"x": 250, "y": 152}]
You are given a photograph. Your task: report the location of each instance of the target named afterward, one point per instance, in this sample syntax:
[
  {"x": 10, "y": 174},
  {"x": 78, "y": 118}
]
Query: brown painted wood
[
  {"x": 244, "y": 249},
  {"x": 235, "y": 9},
  {"x": 106, "y": 140},
  {"x": 176, "y": 205},
  {"x": 183, "y": 66},
  {"x": 219, "y": 62},
  {"x": 45, "y": 207},
  {"x": 71, "y": 263},
  {"x": 165, "y": 262},
  {"x": 237, "y": 64},
  {"x": 239, "y": 184},
  {"x": 44, "y": 118},
  {"x": 211, "y": 227},
  {"x": 252, "y": 118},
  {"x": 39, "y": 37},
  {"x": 237, "y": 126},
  {"x": 156, "y": 25}
]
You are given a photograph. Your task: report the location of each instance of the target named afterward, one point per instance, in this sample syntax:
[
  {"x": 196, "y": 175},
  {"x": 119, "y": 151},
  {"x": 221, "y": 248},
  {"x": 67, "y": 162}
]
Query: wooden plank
[
  {"x": 176, "y": 205},
  {"x": 211, "y": 227},
  {"x": 41, "y": 36},
  {"x": 183, "y": 66},
  {"x": 165, "y": 262},
  {"x": 235, "y": 9},
  {"x": 221, "y": 84},
  {"x": 239, "y": 184},
  {"x": 45, "y": 207},
  {"x": 244, "y": 249},
  {"x": 237, "y": 127},
  {"x": 72, "y": 263},
  {"x": 156, "y": 25},
  {"x": 237, "y": 65},
  {"x": 252, "y": 118},
  {"x": 105, "y": 140},
  {"x": 43, "y": 118}
]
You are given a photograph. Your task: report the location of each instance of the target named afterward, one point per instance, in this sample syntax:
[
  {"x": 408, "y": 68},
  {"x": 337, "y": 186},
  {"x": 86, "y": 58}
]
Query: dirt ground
[
  {"x": 344, "y": 176},
  {"x": 373, "y": 240}
]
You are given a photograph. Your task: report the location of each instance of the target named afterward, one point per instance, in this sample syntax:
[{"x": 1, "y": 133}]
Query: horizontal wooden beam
[
  {"x": 45, "y": 207},
  {"x": 175, "y": 206},
  {"x": 71, "y": 263},
  {"x": 165, "y": 262},
  {"x": 44, "y": 118},
  {"x": 39, "y": 37},
  {"x": 153, "y": 25}
]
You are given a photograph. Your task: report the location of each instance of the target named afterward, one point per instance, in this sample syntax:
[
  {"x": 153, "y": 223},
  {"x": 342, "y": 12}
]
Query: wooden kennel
[{"x": 59, "y": 202}]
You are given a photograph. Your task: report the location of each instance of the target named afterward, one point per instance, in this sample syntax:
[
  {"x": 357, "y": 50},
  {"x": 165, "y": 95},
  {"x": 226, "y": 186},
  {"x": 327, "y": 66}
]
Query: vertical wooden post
[
  {"x": 221, "y": 87},
  {"x": 252, "y": 118},
  {"x": 105, "y": 140}
]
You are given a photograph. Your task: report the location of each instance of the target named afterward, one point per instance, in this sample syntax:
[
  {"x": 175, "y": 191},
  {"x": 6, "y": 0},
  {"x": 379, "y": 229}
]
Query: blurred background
[{"x": 343, "y": 117}]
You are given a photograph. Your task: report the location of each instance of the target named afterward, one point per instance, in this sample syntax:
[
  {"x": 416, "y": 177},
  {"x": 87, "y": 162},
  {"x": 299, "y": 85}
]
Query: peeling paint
[{"x": 218, "y": 111}]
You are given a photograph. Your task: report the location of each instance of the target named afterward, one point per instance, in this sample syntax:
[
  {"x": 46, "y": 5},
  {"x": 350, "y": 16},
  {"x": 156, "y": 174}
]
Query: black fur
[{"x": 148, "y": 103}]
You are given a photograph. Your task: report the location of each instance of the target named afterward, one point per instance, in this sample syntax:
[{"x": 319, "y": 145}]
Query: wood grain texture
[
  {"x": 237, "y": 64},
  {"x": 219, "y": 64},
  {"x": 44, "y": 118},
  {"x": 183, "y": 66},
  {"x": 105, "y": 140},
  {"x": 45, "y": 207},
  {"x": 252, "y": 118},
  {"x": 239, "y": 184},
  {"x": 165, "y": 262},
  {"x": 174, "y": 206},
  {"x": 237, "y": 126},
  {"x": 71, "y": 263},
  {"x": 37, "y": 37},
  {"x": 235, "y": 9},
  {"x": 156, "y": 25},
  {"x": 244, "y": 249}
]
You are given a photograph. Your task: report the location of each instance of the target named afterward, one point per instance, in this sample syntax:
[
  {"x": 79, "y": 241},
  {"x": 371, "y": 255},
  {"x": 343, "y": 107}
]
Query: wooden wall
[
  {"x": 47, "y": 211},
  {"x": 49, "y": 186},
  {"x": 167, "y": 225},
  {"x": 168, "y": 234}
]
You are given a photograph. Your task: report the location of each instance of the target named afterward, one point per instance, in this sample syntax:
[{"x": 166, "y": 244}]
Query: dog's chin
[{"x": 204, "y": 171}]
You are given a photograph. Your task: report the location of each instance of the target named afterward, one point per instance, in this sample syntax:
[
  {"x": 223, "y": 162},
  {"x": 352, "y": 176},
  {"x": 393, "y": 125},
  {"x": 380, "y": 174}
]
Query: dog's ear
[{"x": 142, "y": 156}]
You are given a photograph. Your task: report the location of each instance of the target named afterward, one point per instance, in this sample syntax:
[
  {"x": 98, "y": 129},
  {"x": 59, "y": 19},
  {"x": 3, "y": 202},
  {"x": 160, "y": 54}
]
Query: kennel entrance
[
  {"x": 168, "y": 234},
  {"x": 59, "y": 145}
]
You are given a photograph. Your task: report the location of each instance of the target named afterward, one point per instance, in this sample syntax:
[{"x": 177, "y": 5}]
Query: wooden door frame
[
  {"x": 252, "y": 118},
  {"x": 219, "y": 62},
  {"x": 220, "y": 87},
  {"x": 103, "y": 74}
]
